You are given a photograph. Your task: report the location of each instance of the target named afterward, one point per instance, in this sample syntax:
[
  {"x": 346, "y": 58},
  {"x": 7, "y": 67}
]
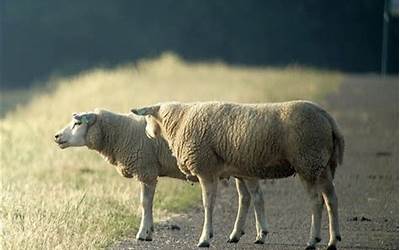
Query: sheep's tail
[{"x": 338, "y": 144}]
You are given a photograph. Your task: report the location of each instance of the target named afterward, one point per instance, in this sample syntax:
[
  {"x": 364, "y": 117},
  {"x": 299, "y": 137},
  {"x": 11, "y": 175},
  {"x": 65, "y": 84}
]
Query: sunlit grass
[{"x": 72, "y": 199}]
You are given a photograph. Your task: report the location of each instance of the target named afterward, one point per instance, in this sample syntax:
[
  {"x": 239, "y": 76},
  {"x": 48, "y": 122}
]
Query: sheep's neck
[
  {"x": 112, "y": 141},
  {"x": 171, "y": 124},
  {"x": 109, "y": 147}
]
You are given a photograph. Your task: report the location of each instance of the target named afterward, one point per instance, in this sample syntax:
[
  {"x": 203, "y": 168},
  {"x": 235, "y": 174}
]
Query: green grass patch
[{"x": 73, "y": 199}]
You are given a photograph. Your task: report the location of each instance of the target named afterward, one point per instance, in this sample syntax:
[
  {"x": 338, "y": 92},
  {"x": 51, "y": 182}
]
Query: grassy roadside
[{"x": 72, "y": 199}]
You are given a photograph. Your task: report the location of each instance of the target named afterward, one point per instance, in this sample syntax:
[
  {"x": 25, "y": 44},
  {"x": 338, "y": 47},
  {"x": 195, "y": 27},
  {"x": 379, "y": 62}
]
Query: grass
[{"x": 72, "y": 199}]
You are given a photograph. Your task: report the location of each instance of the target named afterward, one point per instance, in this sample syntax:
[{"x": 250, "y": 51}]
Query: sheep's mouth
[{"x": 62, "y": 144}]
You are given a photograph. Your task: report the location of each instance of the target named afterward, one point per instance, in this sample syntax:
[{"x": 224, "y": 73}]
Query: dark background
[{"x": 40, "y": 38}]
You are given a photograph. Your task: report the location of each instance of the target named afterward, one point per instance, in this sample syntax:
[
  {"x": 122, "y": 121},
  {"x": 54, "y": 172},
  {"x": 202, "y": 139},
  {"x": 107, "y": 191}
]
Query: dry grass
[{"x": 72, "y": 199}]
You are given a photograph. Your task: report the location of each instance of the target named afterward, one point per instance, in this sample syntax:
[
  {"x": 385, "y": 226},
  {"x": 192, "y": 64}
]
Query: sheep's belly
[{"x": 281, "y": 169}]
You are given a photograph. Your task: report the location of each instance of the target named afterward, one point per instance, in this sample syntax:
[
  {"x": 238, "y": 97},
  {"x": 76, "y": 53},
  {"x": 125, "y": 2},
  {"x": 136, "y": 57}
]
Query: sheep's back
[
  {"x": 255, "y": 139},
  {"x": 236, "y": 135}
]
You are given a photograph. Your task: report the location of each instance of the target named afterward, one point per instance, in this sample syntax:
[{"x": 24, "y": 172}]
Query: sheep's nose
[{"x": 56, "y": 136}]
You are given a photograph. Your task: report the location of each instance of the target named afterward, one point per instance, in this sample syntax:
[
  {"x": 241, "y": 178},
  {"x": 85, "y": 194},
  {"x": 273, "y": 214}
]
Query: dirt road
[{"x": 366, "y": 108}]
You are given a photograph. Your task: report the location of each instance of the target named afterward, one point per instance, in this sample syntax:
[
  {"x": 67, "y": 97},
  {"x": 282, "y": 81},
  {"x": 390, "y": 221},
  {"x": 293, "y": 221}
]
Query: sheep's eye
[{"x": 76, "y": 124}]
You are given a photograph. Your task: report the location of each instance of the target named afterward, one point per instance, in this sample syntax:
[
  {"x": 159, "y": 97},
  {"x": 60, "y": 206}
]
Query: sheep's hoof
[
  {"x": 144, "y": 239},
  {"x": 317, "y": 239},
  {"x": 338, "y": 238},
  {"x": 310, "y": 248},
  {"x": 233, "y": 240},
  {"x": 331, "y": 247},
  {"x": 259, "y": 242},
  {"x": 211, "y": 235},
  {"x": 203, "y": 244}
]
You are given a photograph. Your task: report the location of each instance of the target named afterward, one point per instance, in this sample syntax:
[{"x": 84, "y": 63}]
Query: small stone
[
  {"x": 174, "y": 227},
  {"x": 355, "y": 218},
  {"x": 365, "y": 219},
  {"x": 383, "y": 153}
]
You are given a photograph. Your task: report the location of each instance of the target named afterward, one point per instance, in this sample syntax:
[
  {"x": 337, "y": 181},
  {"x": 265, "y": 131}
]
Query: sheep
[
  {"x": 254, "y": 141},
  {"x": 121, "y": 140}
]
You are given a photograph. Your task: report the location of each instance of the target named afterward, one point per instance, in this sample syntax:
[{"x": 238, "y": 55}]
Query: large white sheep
[
  {"x": 272, "y": 140},
  {"x": 121, "y": 140}
]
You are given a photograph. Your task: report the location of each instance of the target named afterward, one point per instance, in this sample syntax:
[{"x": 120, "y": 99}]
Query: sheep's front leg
[
  {"x": 244, "y": 203},
  {"x": 209, "y": 191},
  {"x": 146, "y": 202},
  {"x": 258, "y": 200}
]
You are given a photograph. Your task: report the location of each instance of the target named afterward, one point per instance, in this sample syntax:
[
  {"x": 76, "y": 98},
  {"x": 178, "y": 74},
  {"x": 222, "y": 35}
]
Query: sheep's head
[
  {"x": 153, "y": 120},
  {"x": 77, "y": 132}
]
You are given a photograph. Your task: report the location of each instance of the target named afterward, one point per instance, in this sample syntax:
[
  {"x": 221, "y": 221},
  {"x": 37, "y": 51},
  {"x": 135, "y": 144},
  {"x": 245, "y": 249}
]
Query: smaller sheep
[
  {"x": 272, "y": 140},
  {"x": 121, "y": 140}
]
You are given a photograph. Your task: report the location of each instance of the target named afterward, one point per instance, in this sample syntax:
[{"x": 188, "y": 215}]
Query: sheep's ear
[
  {"x": 146, "y": 110},
  {"x": 89, "y": 118}
]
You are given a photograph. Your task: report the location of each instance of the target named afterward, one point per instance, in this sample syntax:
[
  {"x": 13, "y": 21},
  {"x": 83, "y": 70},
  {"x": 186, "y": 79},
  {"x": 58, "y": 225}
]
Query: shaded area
[
  {"x": 11, "y": 99},
  {"x": 63, "y": 37}
]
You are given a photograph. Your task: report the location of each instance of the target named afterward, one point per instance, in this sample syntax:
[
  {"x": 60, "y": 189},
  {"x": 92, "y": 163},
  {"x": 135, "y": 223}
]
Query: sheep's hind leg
[
  {"x": 331, "y": 203},
  {"x": 146, "y": 201},
  {"x": 316, "y": 213},
  {"x": 209, "y": 191},
  {"x": 243, "y": 207},
  {"x": 256, "y": 194}
]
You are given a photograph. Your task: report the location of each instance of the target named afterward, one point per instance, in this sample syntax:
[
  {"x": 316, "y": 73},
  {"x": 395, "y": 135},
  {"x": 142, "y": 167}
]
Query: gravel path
[{"x": 366, "y": 108}]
